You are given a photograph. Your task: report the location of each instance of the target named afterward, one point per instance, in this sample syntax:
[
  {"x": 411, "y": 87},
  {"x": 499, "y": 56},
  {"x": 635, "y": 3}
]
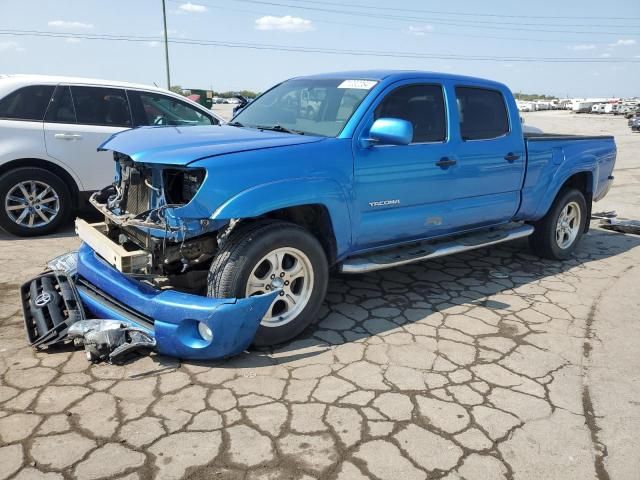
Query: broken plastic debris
[
  {"x": 604, "y": 215},
  {"x": 623, "y": 226},
  {"x": 109, "y": 339}
]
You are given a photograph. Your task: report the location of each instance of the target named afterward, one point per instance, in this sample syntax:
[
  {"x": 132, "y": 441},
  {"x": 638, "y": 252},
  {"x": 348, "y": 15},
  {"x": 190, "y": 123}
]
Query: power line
[
  {"x": 493, "y": 26},
  {"x": 467, "y": 14},
  {"x": 427, "y": 33},
  {"x": 323, "y": 50}
]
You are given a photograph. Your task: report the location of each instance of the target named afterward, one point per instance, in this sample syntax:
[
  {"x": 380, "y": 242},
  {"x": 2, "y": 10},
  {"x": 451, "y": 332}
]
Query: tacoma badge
[{"x": 384, "y": 203}]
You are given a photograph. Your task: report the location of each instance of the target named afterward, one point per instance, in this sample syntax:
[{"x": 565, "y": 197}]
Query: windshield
[{"x": 308, "y": 106}]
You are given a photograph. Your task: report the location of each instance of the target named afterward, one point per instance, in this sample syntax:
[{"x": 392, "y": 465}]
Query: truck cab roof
[{"x": 397, "y": 75}]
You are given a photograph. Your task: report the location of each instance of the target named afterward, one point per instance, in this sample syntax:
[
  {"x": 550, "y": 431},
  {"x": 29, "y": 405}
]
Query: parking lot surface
[{"x": 485, "y": 365}]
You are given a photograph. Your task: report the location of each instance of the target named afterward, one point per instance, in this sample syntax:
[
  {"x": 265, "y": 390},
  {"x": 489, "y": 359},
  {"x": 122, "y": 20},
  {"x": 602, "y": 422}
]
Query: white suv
[{"x": 50, "y": 129}]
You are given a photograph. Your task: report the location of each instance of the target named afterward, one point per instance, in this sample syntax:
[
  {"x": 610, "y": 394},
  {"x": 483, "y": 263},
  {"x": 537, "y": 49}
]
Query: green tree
[{"x": 533, "y": 96}]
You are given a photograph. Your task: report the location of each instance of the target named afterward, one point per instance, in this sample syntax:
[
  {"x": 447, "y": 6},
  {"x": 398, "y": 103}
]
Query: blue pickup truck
[{"x": 221, "y": 236}]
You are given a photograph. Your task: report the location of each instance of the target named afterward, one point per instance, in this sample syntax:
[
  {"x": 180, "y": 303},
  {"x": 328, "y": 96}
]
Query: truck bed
[
  {"x": 561, "y": 136},
  {"x": 552, "y": 158}
]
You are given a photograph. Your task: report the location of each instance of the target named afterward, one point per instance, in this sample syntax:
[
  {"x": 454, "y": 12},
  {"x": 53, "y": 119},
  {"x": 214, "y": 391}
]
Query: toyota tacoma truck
[{"x": 218, "y": 238}]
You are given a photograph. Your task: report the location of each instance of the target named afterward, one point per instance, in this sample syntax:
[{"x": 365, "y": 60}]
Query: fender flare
[
  {"x": 588, "y": 165},
  {"x": 268, "y": 197}
]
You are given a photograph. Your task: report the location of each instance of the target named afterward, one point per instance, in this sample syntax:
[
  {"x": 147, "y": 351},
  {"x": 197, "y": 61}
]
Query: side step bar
[{"x": 426, "y": 250}]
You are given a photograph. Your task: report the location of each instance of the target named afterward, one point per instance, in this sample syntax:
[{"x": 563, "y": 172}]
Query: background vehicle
[
  {"x": 396, "y": 167},
  {"x": 581, "y": 106},
  {"x": 611, "y": 108},
  {"x": 50, "y": 129}
]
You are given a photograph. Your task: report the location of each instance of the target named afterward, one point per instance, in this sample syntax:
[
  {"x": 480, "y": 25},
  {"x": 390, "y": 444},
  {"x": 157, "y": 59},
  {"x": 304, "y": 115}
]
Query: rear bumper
[
  {"x": 171, "y": 317},
  {"x": 604, "y": 190}
]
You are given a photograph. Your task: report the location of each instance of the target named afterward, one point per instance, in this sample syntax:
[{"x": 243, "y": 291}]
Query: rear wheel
[
  {"x": 558, "y": 233},
  {"x": 33, "y": 201},
  {"x": 264, "y": 257}
]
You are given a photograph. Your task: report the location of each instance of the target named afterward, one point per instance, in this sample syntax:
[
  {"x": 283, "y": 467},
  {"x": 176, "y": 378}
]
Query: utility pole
[{"x": 166, "y": 43}]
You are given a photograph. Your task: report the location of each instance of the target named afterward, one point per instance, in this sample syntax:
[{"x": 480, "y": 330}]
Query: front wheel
[
  {"x": 558, "y": 233},
  {"x": 264, "y": 257}
]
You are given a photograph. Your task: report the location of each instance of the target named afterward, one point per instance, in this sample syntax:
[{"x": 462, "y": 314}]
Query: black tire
[
  {"x": 25, "y": 174},
  {"x": 543, "y": 240},
  {"x": 242, "y": 252}
]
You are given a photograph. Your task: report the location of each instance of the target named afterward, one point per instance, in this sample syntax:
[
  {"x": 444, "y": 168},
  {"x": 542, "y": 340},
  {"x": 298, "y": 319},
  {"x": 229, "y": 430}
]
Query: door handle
[
  {"x": 510, "y": 157},
  {"x": 67, "y": 136},
  {"x": 446, "y": 162}
]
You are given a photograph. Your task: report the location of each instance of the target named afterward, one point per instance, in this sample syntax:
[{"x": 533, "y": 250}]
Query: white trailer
[{"x": 579, "y": 106}]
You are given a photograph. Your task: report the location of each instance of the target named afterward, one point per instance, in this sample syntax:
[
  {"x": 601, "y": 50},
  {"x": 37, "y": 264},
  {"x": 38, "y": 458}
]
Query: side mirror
[{"x": 390, "y": 131}]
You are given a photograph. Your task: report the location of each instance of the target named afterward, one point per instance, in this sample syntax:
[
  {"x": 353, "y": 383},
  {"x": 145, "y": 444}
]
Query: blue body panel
[
  {"x": 251, "y": 172},
  {"x": 175, "y": 315},
  {"x": 375, "y": 196},
  {"x": 551, "y": 161},
  {"x": 183, "y": 145}
]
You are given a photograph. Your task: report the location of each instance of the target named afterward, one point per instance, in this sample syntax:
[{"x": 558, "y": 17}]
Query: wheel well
[
  {"x": 44, "y": 164},
  {"x": 580, "y": 181},
  {"x": 316, "y": 219},
  {"x": 583, "y": 182}
]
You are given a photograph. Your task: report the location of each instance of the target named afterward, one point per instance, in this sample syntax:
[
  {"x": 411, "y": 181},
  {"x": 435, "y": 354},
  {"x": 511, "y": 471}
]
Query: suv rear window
[
  {"x": 483, "y": 114},
  {"x": 26, "y": 103},
  {"x": 156, "y": 109},
  {"x": 101, "y": 106},
  {"x": 61, "y": 107}
]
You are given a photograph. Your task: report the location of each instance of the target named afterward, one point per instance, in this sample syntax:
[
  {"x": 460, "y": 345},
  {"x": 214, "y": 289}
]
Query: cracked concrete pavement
[{"x": 491, "y": 364}]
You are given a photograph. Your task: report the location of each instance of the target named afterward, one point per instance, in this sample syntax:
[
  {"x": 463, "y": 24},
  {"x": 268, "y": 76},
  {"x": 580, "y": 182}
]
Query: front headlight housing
[
  {"x": 67, "y": 263},
  {"x": 181, "y": 185}
]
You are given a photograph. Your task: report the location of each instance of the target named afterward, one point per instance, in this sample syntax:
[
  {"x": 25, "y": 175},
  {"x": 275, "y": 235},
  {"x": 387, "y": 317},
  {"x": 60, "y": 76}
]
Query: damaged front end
[
  {"x": 112, "y": 314},
  {"x": 149, "y": 209},
  {"x": 139, "y": 280}
]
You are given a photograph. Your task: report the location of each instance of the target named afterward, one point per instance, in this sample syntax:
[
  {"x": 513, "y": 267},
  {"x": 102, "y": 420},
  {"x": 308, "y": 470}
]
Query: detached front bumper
[{"x": 172, "y": 317}]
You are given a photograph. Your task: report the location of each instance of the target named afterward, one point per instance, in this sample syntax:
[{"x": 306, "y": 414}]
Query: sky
[{"x": 533, "y": 47}]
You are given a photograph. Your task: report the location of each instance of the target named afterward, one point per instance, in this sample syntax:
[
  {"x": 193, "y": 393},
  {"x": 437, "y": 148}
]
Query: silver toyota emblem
[{"x": 43, "y": 299}]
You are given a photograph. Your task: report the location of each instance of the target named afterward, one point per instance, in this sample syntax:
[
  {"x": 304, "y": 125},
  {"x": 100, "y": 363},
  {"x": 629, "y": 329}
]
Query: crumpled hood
[{"x": 183, "y": 145}]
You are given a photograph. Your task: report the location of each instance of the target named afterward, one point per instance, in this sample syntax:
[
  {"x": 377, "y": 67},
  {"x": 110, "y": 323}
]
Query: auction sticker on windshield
[{"x": 358, "y": 84}]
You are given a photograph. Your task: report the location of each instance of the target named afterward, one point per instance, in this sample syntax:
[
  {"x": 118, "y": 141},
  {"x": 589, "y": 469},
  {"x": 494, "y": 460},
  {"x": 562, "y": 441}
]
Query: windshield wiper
[
  {"x": 235, "y": 124},
  {"x": 279, "y": 128}
]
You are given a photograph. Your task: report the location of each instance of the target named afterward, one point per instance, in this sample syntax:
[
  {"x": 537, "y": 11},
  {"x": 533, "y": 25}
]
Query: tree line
[{"x": 533, "y": 96}]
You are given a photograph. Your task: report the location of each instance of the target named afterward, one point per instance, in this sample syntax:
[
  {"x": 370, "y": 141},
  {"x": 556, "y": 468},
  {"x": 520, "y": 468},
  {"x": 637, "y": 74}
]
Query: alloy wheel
[
  {"x": 568, "y": 225},
  {"x": 288, "y": 270},
  {"x": 32, "y": 204}
]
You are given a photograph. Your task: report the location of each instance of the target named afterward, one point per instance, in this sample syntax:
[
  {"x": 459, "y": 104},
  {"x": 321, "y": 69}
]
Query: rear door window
[
  {"x": 101, "y": 106},
  {"x": 61, "y": 108},
  {"x": 156, "y": 109},
  {"x": 483, "y": 113},
  {"x": 26, "y": 103}
]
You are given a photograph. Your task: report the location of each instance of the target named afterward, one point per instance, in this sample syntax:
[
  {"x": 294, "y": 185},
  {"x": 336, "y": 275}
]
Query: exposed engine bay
[{"x": 136, "y": 209}]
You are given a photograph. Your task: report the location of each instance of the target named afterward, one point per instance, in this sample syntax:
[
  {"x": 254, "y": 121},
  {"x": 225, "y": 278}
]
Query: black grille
[
  {"x": 50, "y": 304},
  {"x": 138, "y": 198}
]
